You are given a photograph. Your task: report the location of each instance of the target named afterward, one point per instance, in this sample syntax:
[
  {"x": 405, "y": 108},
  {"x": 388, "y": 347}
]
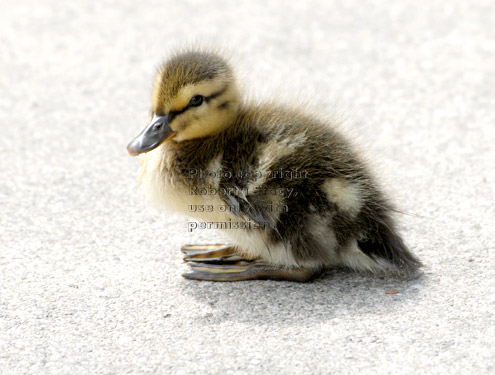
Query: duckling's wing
[{"x": 250, "y": 205}]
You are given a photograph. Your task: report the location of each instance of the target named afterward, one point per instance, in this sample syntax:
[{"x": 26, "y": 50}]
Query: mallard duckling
[{"x": 285, "y": 187}]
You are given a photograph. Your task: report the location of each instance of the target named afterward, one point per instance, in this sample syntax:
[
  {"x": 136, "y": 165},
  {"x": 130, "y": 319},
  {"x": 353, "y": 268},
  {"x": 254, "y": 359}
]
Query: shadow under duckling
[{"x": 286, "y": 188}]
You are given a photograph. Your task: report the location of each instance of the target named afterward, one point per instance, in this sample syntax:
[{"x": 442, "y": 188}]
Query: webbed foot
[
  {"x": 226, "y": 263},
  {"x": 212, "y": 253}
]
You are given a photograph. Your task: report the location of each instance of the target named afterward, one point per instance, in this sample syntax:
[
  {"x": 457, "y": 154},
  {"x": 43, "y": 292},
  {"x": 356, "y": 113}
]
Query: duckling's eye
[{"x": 196, "y": 101}]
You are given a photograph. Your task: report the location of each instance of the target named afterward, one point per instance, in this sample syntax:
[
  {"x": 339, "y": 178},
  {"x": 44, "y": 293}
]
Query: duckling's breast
[{"x": 180, "y": 190}]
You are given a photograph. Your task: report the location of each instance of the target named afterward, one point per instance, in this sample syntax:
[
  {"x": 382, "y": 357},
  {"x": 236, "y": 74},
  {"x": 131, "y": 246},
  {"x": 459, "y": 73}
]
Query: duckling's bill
[{"x": 157, "y": 132}]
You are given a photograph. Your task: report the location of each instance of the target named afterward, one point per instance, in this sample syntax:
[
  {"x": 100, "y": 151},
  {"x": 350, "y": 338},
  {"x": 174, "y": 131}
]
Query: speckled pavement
[{"x": 90, "y": 275}]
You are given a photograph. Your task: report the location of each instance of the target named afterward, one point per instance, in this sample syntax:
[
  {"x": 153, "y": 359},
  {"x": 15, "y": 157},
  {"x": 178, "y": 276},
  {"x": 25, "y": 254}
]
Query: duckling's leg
[
  {"x": 212, "y": 253},
  {"x": 249, "y": 270}
]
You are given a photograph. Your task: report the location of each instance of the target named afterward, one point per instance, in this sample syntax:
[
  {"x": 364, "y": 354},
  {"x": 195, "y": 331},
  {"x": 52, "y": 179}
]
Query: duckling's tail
[{"x": 387, "y": 249}]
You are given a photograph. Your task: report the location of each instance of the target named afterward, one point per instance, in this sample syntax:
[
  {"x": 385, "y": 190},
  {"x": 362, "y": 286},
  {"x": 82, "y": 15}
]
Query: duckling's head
[{"x": 194, "y": 96}]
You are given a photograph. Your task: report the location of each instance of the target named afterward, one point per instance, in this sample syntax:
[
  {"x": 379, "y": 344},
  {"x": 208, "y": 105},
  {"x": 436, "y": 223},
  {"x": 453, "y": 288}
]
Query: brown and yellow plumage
[{"x": 287, "y": 188}]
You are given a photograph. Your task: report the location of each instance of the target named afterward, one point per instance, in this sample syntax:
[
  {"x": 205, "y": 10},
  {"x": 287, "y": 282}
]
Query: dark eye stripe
[
  {"x": 223, "y": 105},
  {"x": 173, "y": 114},
  {"x": 215, "y": 94}
]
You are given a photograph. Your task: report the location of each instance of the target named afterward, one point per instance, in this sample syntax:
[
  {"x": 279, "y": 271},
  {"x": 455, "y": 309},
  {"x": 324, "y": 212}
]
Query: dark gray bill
[{"x": 157, "y": 132}]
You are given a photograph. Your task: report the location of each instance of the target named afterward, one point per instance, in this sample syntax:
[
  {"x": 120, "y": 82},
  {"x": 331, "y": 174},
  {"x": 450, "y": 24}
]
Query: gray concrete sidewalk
[{"x": 90, "y": 275}]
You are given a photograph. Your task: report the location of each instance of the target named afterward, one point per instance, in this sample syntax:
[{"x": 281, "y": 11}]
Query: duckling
[{"x": 288, "y": 189}]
